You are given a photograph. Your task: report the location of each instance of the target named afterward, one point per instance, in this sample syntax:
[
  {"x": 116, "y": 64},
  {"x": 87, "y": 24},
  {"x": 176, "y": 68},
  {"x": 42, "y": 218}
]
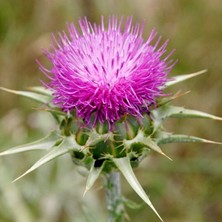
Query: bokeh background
[{"x": 187, "y": 189}]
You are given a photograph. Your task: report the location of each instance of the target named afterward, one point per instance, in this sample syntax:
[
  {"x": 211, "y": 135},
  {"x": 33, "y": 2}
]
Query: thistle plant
[{"x": 106, "y": 92}]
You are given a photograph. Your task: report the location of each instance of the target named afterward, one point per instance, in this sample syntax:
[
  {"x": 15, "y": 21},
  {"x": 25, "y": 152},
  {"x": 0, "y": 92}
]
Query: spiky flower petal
[{"x": 105, "y": 73}]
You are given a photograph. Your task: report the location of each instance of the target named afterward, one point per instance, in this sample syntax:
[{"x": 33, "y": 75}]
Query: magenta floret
[{"x": 105, "y": 73}]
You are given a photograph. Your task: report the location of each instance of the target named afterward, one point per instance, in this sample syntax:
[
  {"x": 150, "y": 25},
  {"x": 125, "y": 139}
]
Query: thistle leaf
[
  {"x": 41, "y": 90},
  {"x": 31, "y": 95},
  {"x": 52, "y": 111},
  {"x": 94, "y": 173},
  {"x": 153, "y": 146},
  {"x": 123, "y": 164},
  {"x": 166, "y": 111},
  {"x": 64, "y": 147},
  {"x": 42, "y": 144},
  {"x": 95, "y": 137},
  {"x": 133, "y": 205},
  {"x": 180, "y": 138},
  {"x": 146, "y": 141},
  {"x": 181, "y": 78}
]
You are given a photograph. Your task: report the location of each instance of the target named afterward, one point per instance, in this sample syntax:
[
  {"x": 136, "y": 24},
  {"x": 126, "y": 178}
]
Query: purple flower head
[{"x": 106, "y": 73}]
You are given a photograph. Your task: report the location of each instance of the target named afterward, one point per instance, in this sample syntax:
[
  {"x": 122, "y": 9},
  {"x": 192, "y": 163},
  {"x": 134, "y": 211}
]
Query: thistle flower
[{"x": 104, "y": 74}]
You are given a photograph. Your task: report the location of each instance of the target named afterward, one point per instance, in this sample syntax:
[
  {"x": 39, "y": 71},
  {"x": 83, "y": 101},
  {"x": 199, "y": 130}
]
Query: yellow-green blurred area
[{"x": 189, "y": 189}]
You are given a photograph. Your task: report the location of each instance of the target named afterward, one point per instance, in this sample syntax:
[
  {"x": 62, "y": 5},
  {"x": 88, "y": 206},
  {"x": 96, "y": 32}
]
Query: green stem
[{"x": 114, "y": 199}]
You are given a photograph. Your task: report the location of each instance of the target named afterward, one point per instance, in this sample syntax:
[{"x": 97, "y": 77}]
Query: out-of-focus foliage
[{"x": 187, "y": 189}]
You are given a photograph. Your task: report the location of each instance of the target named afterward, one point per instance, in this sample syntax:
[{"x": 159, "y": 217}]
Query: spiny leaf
[
  {"x": 181, "y": 78},
  {"x": 52, "y": 111},
  {"x": 133, "y": 205},
  {"x": 123, "y": 164},
  {"x": 146, "y": 141},
  {"x": 94, "y": 173},
  {"x": 41, "y": 90},
  {"x": 180, "y": 138},
  {"x": 31, "y": 95},
  {"x": 166, "y": 111},
  {"x": 65, "y": 146},
  {"x": 95, "y": 137},
  {"x": 152, "y": 145},
  {"x": 42, "y": 144}
]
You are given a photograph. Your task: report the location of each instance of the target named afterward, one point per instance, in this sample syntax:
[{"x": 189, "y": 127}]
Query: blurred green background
[{"x": 187, "y": 189}]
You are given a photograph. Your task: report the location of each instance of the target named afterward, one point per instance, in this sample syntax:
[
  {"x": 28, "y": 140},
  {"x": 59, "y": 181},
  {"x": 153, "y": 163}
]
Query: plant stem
[{"x": 114, "y": 199}]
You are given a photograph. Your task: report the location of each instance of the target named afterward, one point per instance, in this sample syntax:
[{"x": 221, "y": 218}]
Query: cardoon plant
[{"x": 105, "y": 89}]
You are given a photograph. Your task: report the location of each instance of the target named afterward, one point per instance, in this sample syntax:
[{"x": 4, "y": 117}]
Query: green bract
[{"x": 101, "y": 150}]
